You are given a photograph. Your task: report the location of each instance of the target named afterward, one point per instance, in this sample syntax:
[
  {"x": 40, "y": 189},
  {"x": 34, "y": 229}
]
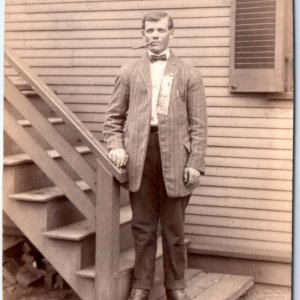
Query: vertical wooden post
[{"x": 107, "y": 235}]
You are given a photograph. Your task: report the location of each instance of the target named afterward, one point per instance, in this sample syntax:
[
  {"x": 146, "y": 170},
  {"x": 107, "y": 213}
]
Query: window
[{"x": 261, "y": 57}]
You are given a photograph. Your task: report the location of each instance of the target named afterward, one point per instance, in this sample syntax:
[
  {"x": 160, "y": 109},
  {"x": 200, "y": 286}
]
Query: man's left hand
[{"x": 191, "y": 175}]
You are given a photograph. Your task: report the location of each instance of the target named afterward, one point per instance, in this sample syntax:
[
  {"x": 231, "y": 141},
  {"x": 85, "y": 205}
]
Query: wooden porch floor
[{"x": 209, "y": 286}]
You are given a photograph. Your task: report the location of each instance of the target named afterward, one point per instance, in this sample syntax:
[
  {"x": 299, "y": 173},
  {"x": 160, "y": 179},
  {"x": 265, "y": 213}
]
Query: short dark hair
[{"x": 155, "y": 16}]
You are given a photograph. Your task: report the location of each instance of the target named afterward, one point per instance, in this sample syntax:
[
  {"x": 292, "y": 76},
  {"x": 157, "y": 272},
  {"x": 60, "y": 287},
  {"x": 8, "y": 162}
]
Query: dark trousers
[{"x": 150, "y": 205}]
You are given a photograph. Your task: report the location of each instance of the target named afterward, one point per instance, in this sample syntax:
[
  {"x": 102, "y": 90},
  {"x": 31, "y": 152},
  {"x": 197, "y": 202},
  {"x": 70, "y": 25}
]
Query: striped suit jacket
[{"x": 182, "y": 132}]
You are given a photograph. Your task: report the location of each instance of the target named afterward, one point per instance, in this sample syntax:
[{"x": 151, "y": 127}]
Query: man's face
[{"x": 159, "y": 34}]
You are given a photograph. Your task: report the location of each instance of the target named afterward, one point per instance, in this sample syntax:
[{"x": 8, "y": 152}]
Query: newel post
[{"x": 107, "y": 235}]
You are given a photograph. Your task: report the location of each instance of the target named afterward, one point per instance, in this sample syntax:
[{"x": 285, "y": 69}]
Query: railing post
[{"x": 107, "y": 235}]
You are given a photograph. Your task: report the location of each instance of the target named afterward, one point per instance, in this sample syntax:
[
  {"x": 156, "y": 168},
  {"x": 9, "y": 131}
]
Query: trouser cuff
[
  {"x": 141, "y": 285},
  {"x": 175, "y": 285}
]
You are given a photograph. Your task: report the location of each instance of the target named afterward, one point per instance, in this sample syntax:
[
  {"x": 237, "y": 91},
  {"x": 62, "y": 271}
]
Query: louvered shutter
[{"x": 257, "y": 46}]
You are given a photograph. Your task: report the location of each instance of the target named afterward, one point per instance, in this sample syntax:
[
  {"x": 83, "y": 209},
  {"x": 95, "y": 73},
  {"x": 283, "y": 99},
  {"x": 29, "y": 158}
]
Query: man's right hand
[{"x": 119, "y": 157}]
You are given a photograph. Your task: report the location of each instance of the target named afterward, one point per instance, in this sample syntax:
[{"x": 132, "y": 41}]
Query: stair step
[
  {"x": 73, "y": 232},
  {"x": 26, "y": 123},
  {"x": 83, "y": 229},
  {"x": 46, "y": 194},
  {"x": 126, "y": 261},
  {"x": 23, "y": 158},
  {"x": 209, "y": 286}
]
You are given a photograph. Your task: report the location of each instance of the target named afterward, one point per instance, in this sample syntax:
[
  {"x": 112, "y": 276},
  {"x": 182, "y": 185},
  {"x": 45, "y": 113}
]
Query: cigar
[{"x": 143, "y": 46}]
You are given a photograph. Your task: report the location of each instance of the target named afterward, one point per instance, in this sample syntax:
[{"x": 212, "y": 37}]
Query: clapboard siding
[{"x": 78, "y": 46}]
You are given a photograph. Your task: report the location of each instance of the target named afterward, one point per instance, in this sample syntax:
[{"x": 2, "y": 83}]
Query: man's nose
[{"x": 155, "y": 34}]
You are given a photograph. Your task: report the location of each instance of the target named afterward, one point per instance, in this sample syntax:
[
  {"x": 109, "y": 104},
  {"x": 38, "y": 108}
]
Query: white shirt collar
[{"x": 167, "y": 52}]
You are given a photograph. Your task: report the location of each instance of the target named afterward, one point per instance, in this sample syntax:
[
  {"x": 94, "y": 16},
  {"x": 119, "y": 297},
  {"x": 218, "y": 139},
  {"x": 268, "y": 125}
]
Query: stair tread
[
  {"x": 210, "y": 286},
  {"x": 126, "y": 262},
  {"x": 82, "y": 229},
  {"x": 238, "y": 252},
  {"x": 53, "y": 120},
  {"x": 45, "y": 194},
  {"x": 23, "y": 158}
]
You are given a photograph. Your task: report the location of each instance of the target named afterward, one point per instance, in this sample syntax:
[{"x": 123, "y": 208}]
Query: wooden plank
[
  {"x": 250, "y": 153},
  {"x": 250, "y": 112},
  {"x": 111, "y": 72},
  {"x": 111, "y": 6},
  {"x": 109, "y": 80},
  {"x": 265, "y": 204},
  {"x": 49, "y": 167},
  {"x": 23, "y": 158},
  {"x": 233, "y": 251},
  {"x": 243, "y": 193},
  {"x": 248, "y": 173},
  {"x": 45, "y": 194},
  {"x": 260, "y": 133},
  {"x": 19, "y": 2},
  {"x": 264, "y": 184},
  {"x": 115, "y": 62},
  {"x": 115, "y": 15},
  {"x": 252, "y": 163},
  {"x": 248, "y": 122},
  {"x": 242, "y": 243},
  {"x": 116, "y": 44},
  {"x": 72, "y": 232},
  {"x": 112, "y": 24},
  {"x": 263, "y": 225},
  {"x": 250, "y": 143},
  {"x": 26, "y": 123},
  {"x": 239, "y": 233},
  {"x": 54, "y": 138},
  {"x": 248, "y": 101},
  {"x": 102, "y": 52},
  {"x": 230, "y": 212},
  {"x": 229, "y": 287},
  {"x": 110, "y": 34}
]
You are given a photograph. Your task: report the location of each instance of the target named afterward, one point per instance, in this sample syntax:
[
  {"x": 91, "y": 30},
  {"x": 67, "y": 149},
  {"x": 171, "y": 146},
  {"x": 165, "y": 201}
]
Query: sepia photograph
[{"x": 148, "y": 150}]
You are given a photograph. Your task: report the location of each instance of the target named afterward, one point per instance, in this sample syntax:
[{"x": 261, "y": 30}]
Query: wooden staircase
[{"x": 66, "y": 197}]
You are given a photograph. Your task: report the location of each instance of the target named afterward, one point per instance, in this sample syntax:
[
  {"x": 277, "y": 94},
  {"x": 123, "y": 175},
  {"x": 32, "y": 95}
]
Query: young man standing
[{"x": 156, "y": 125}]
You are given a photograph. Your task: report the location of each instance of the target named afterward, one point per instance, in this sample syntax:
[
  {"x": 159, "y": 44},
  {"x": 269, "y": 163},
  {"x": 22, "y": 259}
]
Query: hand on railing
[{"x": 118, "y": 157}]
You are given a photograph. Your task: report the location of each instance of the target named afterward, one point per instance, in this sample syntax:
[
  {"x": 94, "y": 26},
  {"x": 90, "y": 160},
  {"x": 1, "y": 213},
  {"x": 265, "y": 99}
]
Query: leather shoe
[
  {"x": 177, "y": 295},
  {"x": 138, "y": 294}
]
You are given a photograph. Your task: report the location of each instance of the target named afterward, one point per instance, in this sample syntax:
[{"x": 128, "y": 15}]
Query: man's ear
[
  {"x": 171, "y": 33},
  {"x": 143, "y": 33}
]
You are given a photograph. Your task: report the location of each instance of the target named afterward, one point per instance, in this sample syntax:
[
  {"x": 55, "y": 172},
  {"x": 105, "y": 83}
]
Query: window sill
[{"x": 280, "y": 96}]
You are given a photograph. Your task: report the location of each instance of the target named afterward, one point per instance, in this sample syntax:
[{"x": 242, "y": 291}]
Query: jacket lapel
[
  {"x": 145, "y": 72},
  {"x": 172, "y": 65}
]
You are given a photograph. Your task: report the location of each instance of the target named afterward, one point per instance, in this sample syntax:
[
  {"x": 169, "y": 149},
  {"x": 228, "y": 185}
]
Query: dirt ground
[{"x": 17, "y": 292}]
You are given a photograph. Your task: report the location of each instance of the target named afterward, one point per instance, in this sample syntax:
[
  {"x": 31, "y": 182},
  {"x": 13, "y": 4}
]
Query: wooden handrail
[{"x": 65, "y": 113}]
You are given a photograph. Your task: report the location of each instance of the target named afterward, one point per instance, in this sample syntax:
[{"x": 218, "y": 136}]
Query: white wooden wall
[{"x": 77, "y": 46}]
